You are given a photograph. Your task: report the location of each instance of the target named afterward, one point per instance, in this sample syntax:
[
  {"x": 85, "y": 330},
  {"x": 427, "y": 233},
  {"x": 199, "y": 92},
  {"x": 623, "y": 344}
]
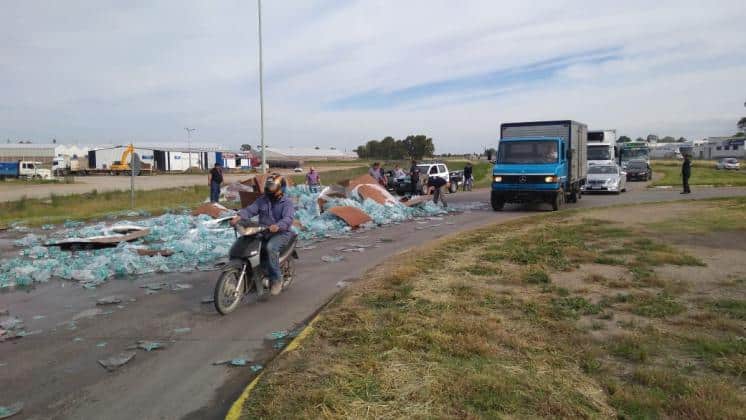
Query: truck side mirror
[{"x": 569, "y": 154}]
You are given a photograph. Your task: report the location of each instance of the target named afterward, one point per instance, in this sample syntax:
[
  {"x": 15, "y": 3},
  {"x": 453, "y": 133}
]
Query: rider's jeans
[{"x": 273, "y": 248}]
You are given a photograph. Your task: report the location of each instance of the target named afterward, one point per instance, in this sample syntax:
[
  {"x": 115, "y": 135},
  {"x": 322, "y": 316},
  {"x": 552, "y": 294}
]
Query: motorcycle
[{"x": 243, "y": 274}]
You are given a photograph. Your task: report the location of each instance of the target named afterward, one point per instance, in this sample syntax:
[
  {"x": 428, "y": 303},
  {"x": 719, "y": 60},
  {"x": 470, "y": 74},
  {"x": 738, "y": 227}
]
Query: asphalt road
[{"x": 55, "y": 372}]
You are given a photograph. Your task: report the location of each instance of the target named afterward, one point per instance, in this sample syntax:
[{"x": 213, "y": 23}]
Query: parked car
[
  {"x": 298, "y": 170},
  {"x": 728, "y": 163},
  {"x": 639, "y": 170},
  {"x": 605, "y": 178},
  {"x": 404, "y": 185}
]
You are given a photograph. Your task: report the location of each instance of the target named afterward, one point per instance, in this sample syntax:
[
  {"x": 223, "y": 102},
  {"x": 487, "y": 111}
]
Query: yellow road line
[{"x": 235, "y": 412}]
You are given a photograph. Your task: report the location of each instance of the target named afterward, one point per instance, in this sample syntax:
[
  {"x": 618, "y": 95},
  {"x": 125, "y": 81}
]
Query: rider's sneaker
[{"x": 276, "y": 288}]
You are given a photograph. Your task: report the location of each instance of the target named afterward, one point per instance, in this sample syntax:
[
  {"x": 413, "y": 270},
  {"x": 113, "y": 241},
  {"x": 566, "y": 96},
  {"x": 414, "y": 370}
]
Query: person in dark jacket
[
  {"x": 414, "y": 175},
  {"x": 437, "y": 184},
  {"x": 468, "y": 173},
  {"x": 214, "y": 180},
  {"x": 686, "y": 172},
  {"x": 275, "y": 212}
]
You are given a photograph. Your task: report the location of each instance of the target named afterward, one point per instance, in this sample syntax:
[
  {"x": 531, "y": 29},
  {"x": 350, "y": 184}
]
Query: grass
[
  {"x": 479, "y": 326},
  {"x": 702, "y": 174},
  {"x": 94, "y": 204}
]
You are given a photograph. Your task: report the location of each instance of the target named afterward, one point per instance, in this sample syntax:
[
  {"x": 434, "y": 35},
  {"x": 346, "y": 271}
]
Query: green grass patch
[
  {"x": 658, "y": 306},
  {"x": 94, "y": 205},
  {"x": 733, "y": 308},
  {"x": 700, "y": 176}
]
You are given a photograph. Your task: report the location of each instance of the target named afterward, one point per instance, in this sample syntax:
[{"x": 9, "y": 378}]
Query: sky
[{"x": 342, "y": 72}]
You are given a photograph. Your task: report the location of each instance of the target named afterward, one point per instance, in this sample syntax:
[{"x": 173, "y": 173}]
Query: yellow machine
[{"x": 122, "y": 166}]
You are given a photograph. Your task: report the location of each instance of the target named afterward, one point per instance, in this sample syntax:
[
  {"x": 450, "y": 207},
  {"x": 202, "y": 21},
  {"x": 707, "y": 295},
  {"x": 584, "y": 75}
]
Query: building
[
  {"x": 720, "y": 147},
  {"x": 43, "y": 153},
  {"x": 165, "y": 158}
]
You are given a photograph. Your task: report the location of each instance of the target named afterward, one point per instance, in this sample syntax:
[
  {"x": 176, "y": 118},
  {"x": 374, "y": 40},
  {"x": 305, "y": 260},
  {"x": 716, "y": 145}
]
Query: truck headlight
[
  {"x": 550, "y": 179},
  {"x": 498, "y": 179}
]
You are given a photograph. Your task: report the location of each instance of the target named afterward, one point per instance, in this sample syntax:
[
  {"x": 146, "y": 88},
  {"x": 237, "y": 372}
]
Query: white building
[
  {"x": 307, "y": 153},
  {"x": 39, "y": 152},
  {"x": 720, "y": 147},
  {"x": 165, "y": 158}
]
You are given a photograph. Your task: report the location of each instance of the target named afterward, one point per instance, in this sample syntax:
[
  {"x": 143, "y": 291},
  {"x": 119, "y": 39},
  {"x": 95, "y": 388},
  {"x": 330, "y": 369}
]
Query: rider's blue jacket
[{"x": 279, "y": 212}]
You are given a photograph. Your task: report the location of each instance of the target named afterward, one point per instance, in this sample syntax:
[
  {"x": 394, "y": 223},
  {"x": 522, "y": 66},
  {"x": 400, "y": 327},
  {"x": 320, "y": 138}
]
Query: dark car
[{"x": 638, "y": 170}]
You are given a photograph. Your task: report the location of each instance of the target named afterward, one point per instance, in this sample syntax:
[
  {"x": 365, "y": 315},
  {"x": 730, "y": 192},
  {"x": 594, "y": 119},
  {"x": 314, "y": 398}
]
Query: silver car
[
  {"x": 728, "y": 163},
  {"x": 605, "y": 178}
]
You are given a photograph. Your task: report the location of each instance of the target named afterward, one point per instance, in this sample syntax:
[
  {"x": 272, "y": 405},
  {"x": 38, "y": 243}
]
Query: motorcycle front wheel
[{"x": 227, "y": 295}]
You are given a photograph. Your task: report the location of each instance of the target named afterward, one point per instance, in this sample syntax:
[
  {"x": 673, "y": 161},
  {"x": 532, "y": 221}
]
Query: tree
[
  {"x": 490, "y": 153},
  {"x": 681, "y": 140},
  {"x": 739, "y": 134},
  {"x": 667, "y": 139},
  {"x": 742, "y": 124},
  {"x": 640, "y": 139},
  {"x": 624, "y": 139},
  {"x": 245, "y": 147},
  {"x": 413, "y": 147}
]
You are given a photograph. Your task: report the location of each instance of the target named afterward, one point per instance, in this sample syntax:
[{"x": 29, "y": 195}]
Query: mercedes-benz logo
[{"x": 522, "y": 179}]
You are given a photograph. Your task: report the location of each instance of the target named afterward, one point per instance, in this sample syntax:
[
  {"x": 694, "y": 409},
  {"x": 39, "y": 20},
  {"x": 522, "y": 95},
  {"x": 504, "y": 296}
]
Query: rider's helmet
[{"x": 274, "y": 186}]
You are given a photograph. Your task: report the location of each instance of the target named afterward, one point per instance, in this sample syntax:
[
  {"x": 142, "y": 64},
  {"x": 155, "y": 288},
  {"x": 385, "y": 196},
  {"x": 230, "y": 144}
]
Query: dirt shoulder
[{"x": 634, "y": 311}]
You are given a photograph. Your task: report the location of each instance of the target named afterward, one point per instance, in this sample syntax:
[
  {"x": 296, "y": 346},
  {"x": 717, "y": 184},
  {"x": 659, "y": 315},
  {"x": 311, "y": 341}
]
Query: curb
[{"x": 235, "y": 411}]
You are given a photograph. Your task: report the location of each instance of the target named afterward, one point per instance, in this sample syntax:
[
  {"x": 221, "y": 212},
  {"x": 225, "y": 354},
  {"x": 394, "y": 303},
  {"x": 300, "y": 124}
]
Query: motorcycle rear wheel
[{"x": 227, "y": 297}]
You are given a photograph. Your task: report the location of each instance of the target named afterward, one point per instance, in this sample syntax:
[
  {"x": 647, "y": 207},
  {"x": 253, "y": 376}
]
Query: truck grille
[{"x": 523, "y": 179}]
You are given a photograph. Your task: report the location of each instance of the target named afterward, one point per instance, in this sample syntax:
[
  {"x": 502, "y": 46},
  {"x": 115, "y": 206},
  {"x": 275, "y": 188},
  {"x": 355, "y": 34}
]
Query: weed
[
  {"x": 573, "y": 307},
  {"x": 630, "y": 348},
  {"x": 536, "y": 276},
  {"x": 659, "y": 306},
  {"x": 605, "y": 260},
  {"x": 733, "y": 308}
]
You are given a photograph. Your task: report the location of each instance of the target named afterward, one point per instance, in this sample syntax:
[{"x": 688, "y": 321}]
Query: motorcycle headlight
[
  {"x": 550, "y": 179},
  {"x": 498, "y": 179}
]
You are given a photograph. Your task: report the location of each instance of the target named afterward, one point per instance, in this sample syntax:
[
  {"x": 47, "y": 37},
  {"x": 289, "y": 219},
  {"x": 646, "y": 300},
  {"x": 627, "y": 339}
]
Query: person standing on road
[
  {"x": 414, "y": 175},
  {"x": 214, "y": 180},
  {"x": 686, "y": 172},
  {"x": 468, "y": 180},
  {"x": 437, "y": 184},
  {"x": 313, "y": 180}
]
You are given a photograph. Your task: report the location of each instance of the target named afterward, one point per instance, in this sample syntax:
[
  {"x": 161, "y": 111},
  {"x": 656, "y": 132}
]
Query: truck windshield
[
  {"x": 599, "y": 153},
  {"x": 527, "y": 152},
  {"x": 628, "y": 154}
]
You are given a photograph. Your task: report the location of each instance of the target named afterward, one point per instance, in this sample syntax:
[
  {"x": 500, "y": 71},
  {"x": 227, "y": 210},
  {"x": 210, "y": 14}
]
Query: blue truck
[
  {"x": 540, "y": 161},
  {"x": 23, "y": 169}
]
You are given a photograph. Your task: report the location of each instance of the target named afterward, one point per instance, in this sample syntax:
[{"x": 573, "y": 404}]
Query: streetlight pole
[
  {"x": 261, "y": 90},
  {"x": 189, "y": 144}
]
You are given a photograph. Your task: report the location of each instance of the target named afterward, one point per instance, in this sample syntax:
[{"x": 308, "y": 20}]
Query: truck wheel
[
  {"x": 559, "y": 199},
  {"x": 497, "y": 202}
]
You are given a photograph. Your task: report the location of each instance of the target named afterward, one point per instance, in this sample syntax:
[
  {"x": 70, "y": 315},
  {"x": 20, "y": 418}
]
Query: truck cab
[
  {"x": 540, "y": 161},
  {"x": 529, "y": 169},
  {"x": 601, "y": 145},
  {"x": 33, "y": 170}
]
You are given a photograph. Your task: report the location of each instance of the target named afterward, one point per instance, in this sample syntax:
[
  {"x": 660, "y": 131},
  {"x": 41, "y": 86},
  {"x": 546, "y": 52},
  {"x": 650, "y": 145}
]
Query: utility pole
[
  {"x": 189, "y": 144},
  {"x": 261, "y": 90}
]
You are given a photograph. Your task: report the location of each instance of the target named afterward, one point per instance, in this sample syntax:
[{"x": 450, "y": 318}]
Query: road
[
  {"x": 56, "y": 375},
  {"x": 12, "y": 191}
]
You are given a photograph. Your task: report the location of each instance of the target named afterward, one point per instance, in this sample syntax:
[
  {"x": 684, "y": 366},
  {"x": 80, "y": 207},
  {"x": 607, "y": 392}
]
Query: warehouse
[
  {"x": 165, "y": 158},
  {"x": 43, "y": 153}
]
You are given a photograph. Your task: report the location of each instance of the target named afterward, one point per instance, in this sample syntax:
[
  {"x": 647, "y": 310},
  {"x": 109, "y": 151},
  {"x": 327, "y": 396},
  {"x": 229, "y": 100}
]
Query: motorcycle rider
[{"x": 275, "y": 212}]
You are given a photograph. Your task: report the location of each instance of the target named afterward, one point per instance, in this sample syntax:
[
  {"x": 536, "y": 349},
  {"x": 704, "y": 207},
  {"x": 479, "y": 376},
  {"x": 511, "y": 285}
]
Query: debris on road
[
  {"x": 147, "y": 346},
  {"x": 353, "y": 216},
  {"x": 233, "y": 362},
  {"x": 101, "y": 344},
  {"x": 109, "y": 300},
  {"x": 115, "y": 362},
  {"x": 332, "y": 258},
  {"x": 103, "y": 241},
  {"x": 206, "y": 300},
  {"x": 182, "y": 330},
  {"x": 256, "y": 368},
  {"x": 10, "y": 410},
  {"x": 213, "y": 210},
  {"x": 88, "y": 313},
  {"x": 181, "y": 286},
  {"x": 277, "y": 335},
  {"x": 154, "y": 252}
]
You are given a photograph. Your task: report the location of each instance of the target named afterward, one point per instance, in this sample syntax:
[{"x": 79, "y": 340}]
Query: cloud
[{"x": 338, "y": 73}]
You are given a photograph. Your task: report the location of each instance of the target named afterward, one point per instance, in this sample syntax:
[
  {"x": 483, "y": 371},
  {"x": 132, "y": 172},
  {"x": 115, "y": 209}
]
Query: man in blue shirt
[{"x": 275, "y": 212}]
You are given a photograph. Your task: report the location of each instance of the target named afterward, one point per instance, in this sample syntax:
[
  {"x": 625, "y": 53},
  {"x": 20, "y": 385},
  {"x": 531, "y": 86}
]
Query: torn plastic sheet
[{"x": 11, "y": 410}]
